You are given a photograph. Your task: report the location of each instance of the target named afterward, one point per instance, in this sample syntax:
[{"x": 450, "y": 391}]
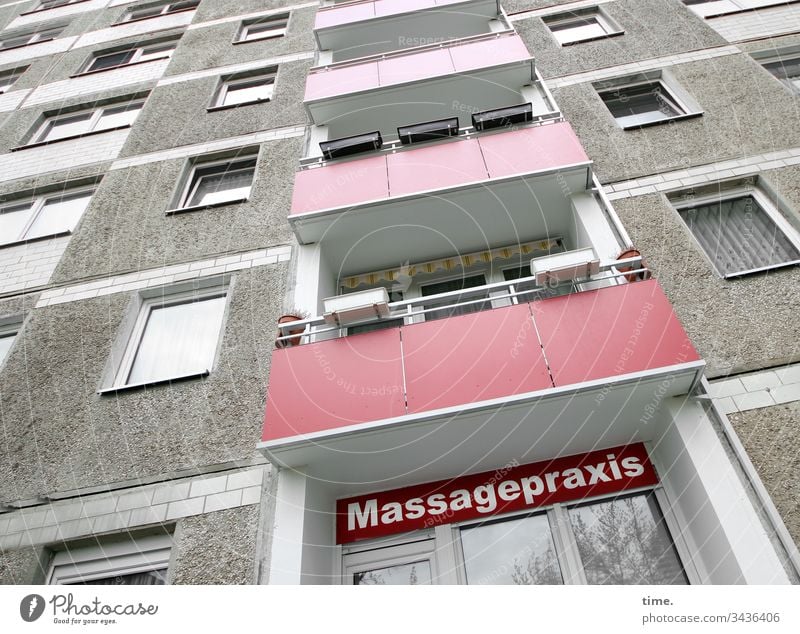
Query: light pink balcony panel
[
  {"x": 435, "y": 167},
  {"x": 492, "y": 52},
  {"x": 344, "y": 14},
  {"x": 609, "y": 332},
  {"x": 405, "y": 68},
  {"x": 393, "y": 7},
  {"x": 475, "y": 357},
  {"x": 340, "y": 184},
  {"x": 342, "y": 80},
  {"x": 332, "y": 384},
  {"x": 531, "y": 149}
]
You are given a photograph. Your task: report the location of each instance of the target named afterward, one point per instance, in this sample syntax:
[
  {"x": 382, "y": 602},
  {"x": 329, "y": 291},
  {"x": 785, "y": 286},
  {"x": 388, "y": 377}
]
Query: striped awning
[{"x": 527, "y": 250}]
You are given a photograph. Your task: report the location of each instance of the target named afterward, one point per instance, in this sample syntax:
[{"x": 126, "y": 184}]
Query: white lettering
[
  {"x": 597, "y": 473},
  {"x": 632, "y": 466},
  {"x": 574, "y": 480},
  {"x": 369, "y": 515},
  {"x": 414, "y": 508},
  {"x": 529, "y": 491},
  {"x": 437, "y": 504},
  {"x": 485, "y": 499},
  {"x": 460, "y": 499},
  {"x": 508, "y": 490},
  {"x": 391, "y": 512}
]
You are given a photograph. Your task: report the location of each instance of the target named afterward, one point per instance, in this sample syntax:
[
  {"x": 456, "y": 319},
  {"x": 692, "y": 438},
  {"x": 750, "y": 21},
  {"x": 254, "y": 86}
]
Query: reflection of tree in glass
[
  {"x": 539, "y": 570},
  {"x": 625, "y": 542},
  {"x": 404, "y": 574},
  {"x": 369, "y": 578}
]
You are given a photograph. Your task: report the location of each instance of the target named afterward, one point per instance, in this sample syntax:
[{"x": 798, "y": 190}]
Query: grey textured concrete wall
[
  {"x": 737, "y": 324},
  {"x": 216, "y": 548},
  {"x": 118, "y": 234},
  {"x": 26, "y": 566},
  {"x": 176, "y": 115},
  {"x": 214, "y": 9},
  {"x": 770, "y": 437},
  {"x": 66, "y": 436},
  {"x": 746, "y": 112},
  {"x": 212, "y": 46},
  {"x": 515, "y": 6},
  {"x": 653, "y": 28}
]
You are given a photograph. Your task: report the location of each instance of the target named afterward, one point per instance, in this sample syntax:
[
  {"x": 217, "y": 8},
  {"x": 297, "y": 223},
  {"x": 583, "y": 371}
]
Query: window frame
[
  {"x": 39, "y": 135},
  {"x": 213, "y": 289},
  {"x": 41, "y": 6},
  {"x": 191, "y": 181},
  {"x": 242, "y": 32},
  {"x": 447, "y": 541},
  {"x": 10, "y": 77},
  {"x": 138, "y": 52},
  {"x": 9, "y": 327},
  {"x": 772, "y": 211},
  {"x": 269, "y": 74},
  {"x": 739, "y": 6},
  {"x": 130, "y": 12},
  {"x": 34, "y": 37},
  {"x": 37, "y": 205},
  {"x": 782, "y": 56},
  {"x": 610, "y": 27}
]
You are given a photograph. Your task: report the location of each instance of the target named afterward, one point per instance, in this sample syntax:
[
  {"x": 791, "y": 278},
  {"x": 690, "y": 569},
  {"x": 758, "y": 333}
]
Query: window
[
  {"x": 79, "y": 123},
  {"x": 787, "y": 70},
  {"x": 34, "y": 37},
  {"x": 646, "y": 99},
  {"x": 218, "y": 182},
  {"x": 140, "y": 561},
  {"x": 458, "y": 284},
  {"x": 8, "y": 78},
  {"x": 264, "y": 28},
  {"x": 581, "y": 26},
  {"x": 115, "y": 59},
  {"x": 43, "y": 216},
  {"x": 52, "y": 4},
  {"x": 174, "y": 337},
  {"x": 157, "y": 10},
  {"x": 8, "y": 334},
  {"x": 622, "y": 540},
  {"x": 710, "y": 8},
  {"x": 240, "y": 89},
  {"x": 741, "y": 232}
]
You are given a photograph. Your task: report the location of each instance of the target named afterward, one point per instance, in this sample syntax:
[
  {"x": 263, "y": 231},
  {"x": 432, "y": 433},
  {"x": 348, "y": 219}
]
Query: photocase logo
[{"x": 31, "y": 607}]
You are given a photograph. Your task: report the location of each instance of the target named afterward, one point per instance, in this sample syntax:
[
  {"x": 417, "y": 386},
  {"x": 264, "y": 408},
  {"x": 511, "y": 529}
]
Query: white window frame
[
  {"x": 192, "y": 181},
  {"x": 8, "y": 78},
  {"x": 702, "y": 8},
  {"x": 134, "y": 339},
  {"x": 268, "y": 77},
  {"x": 9, "y": 327},
  {"x": 138, "y": 53},
  {"x": 104, "y": 561},
  {"x": 37, "y": 205},
  {"x": 97, "y": 114},
  {"x": 34, "y": 37},
  {"x": 781, "y": 57},
  {"x": 766, "y": 205},
  {"x": 608, "y": 24},
  {"x": 446, "y": 540},
  {"x": 243, "y": 34},
  {"x": 164, "y": 9},
  {"x": 45, "y": 5}
]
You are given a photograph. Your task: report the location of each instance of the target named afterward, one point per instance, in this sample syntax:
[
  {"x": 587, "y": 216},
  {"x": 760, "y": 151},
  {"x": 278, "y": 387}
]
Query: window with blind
[
  {"x": 742, "y": 234},
  {"x": 210, "y": 183}
]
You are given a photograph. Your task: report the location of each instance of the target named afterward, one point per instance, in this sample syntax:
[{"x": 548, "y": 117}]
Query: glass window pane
[
  {"x": 640, "y": 104},
  {"x": 626, "y": 542},
  {"x": 7, "y": 80},
  {"x": 149, "y": 578},
  {"x": 178, "y": 340},
  {"x": 16, "y": 41},
  {"x": 6, "y": 341},
  {"x": 461, "y": 283},
  {"x": 225, "y": 186},
  {"x": 12, "y": 222},
  {"x": 514, "y": 552},
  {"x": 157, "y": 52},
  {"x": 67, "y": 127},
  {"x": 118, "y": 117},
  {"x": 417, "y": 573},
  {"x": 59, "y": 215},
  {"x": 248, "y": 91},
  {"x": 577, "y": 30},
  {"x": 111, "y": 60}
]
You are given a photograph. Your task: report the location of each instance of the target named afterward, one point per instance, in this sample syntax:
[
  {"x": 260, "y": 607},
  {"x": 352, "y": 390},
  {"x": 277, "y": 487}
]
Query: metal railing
[{"x": 495, "y": 293}]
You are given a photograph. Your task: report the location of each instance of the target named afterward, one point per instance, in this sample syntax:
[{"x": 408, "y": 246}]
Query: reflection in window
[
  {"x": 417, "y": 573},
  {"x": 519, "y": 552},
  {"x": 638, "y": 105},
  {"x": 625, "y": 542},
  {"x": 149, "y": 578},
  {"x": 462, "y": 283}
]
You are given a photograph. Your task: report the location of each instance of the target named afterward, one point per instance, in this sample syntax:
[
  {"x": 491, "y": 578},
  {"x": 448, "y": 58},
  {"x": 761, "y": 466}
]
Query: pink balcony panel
[
  {"x": 343, "y": 80},
  {"x": 475, "y": 357},
  {"x": 405, "y": 68},
  {"x": 492, "y": 52},
  {"x": 393, "y": 7},
  {"x": 340, "y": 184},
  {"x": 332, "y": 384},
  {"x": 337, "y": 16},
  {"x": 531, "y": 150},
  {"x": 435, "y": 167},
  {"x": 609, "y": 332}
]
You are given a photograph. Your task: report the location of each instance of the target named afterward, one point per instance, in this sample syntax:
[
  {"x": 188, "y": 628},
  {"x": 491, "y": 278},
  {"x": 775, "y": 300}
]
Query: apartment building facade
[{"x": 533, "y": 263}]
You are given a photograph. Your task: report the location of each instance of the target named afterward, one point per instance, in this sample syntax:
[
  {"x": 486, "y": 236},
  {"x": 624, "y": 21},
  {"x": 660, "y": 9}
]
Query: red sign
[{"x": 512, "y": 488}]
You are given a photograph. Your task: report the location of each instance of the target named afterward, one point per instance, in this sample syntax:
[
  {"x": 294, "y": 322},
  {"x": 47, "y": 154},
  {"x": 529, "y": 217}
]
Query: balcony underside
[{"x": 526, "y": 379}]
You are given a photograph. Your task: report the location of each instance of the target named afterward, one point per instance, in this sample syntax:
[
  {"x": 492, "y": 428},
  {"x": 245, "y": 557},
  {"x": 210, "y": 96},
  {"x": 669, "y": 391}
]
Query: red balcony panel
[
  {"x": 531, "y": 150},
  {"x": 344, "y": 14},
  {"x": 609, "y": 332},
  {"x": 488, "y": 52},
  {"x": 470, "y": 358},
  {"x": 405, "y": 68},
  {"x": 342, "y": 80},
  {"x": 332, "y": 384},
  {"x": 392, "y": 7},
  {"x": 435, "y": 167},
  {"x": 340, "y": 184}
]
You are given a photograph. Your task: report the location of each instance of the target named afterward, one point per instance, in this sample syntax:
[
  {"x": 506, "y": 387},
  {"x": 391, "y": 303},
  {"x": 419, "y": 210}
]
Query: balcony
[
  {"x": 476, "y": 190},
  {"x": 396, "y": 24},
  {"x": 532, "y": 376},
  {"x": 423, "y": 84}
]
